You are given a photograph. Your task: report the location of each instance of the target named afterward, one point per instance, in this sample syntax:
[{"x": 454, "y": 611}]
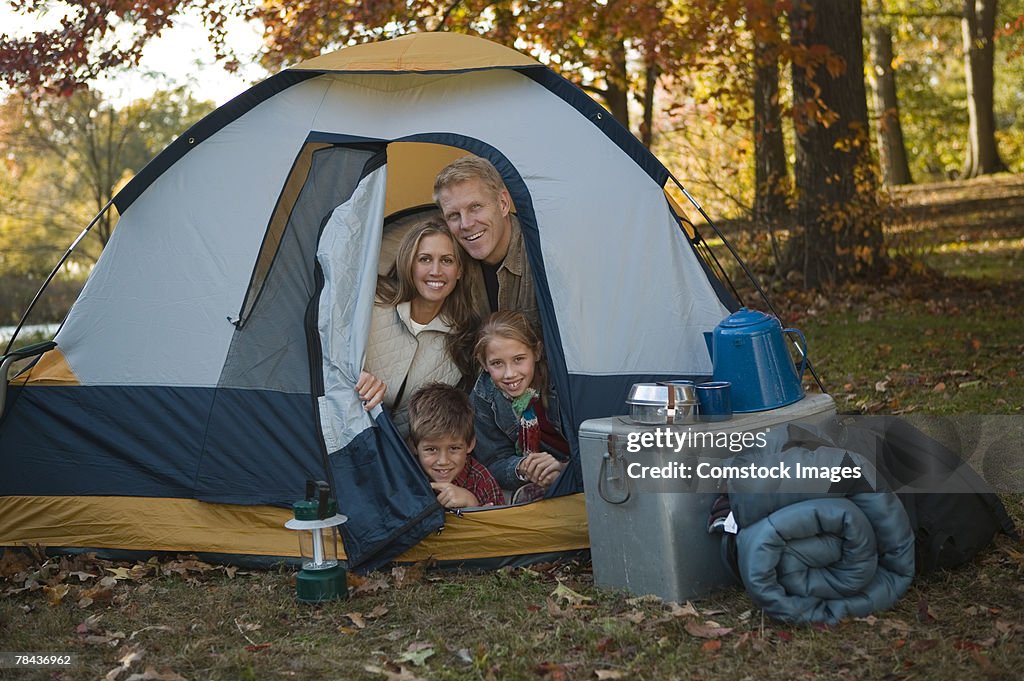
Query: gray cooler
[{"x": 649, "y": 536}]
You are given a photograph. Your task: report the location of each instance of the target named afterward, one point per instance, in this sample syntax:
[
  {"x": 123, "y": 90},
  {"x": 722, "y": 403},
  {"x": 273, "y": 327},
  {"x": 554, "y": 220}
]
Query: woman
[{"x": 422, "y": 324}]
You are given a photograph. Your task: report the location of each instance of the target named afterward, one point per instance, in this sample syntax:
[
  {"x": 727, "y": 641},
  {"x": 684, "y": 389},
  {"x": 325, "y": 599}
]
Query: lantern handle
[{"x": 319, "y": 491}]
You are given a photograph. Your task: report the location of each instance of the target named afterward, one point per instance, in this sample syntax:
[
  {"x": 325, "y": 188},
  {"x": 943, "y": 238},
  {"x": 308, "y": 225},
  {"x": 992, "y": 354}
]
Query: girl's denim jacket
[{"x": 497, "y": 430}]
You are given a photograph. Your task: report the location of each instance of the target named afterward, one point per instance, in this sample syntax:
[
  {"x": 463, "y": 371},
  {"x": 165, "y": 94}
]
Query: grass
[{"x": 945, "y": 347}]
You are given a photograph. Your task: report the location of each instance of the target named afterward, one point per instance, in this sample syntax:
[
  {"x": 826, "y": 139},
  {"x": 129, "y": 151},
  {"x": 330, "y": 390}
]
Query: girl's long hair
[
  {"x": 456, "y": 311},
  {"x": 514, "y": 325}
]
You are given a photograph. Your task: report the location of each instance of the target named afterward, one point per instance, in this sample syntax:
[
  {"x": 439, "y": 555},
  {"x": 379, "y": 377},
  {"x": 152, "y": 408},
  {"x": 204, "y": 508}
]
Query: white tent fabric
[
  {"x": 608, "y": 239},
  {"x": 347, "y": 255}
]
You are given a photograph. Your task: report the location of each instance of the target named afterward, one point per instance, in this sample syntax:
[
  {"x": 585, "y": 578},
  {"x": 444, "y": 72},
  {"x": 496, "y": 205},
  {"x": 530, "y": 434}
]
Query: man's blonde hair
[
  {"x": 468, "y": 168},
  {"x": 439, "y": 410}
]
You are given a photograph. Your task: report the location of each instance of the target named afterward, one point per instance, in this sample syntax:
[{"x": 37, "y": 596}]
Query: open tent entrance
[{"x": 304, "y": 323}]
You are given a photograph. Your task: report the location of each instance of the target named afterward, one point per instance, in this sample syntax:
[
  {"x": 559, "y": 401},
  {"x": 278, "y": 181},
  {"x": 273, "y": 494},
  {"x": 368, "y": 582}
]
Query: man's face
[{"x": 478, "y": 218}]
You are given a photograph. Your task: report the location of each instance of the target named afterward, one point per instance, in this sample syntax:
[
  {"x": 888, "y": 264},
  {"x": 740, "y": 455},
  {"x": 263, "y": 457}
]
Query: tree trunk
[
  {"x": 650, "y": 85},
  {"x": 978, "y": 26},
  {"x": 771, "y": 175},
  {"x": 835, "y": 180},
  {"x": 616, "y": 93},
  {"x": 892, "y": 153}
]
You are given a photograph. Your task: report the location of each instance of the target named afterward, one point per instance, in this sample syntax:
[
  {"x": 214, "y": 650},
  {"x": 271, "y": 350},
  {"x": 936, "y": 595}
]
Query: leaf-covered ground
[{"x": 947, "y": 345}]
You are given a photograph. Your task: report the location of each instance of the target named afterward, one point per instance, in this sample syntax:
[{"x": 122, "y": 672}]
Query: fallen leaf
[
  {"x": 357, "y": 619},
  {"x": 379, "y": 611},
  {"x": 104, "y": 639},
  {"x": 348, "y": 631},
  {"x": 924, "y": 613},
  {"x": 891, "y": 625},
  {"x": 94, "y": 595},
  {"x": 1006, "y": 628},
  {"x": 257, "y": 647},
  {"x": 609, "y": 674},
  {"x": 89, "y": 625},
  {"x": 56, "y": 594},
  {"x": 155, "y": 627},
  {"x": 711, "y": 646},
  {"x": 552, "y": 670},
  {"x": 119, "y": 573},
  {"x": 562, "y": 592},
  {"x": 408, "y": 575},
  {"x": 12, "y": 562},
  {"x": 686, "y": 610},
  {"x": 417, "y": 654},
  {"x": 368, "y": 585},
  {"x": 151, "y": 674},
  {"x": 706, "y": 630},
  {"x": 636, "y": 617},
  {"x": 939, "y": 387},
  {"x": 555, "y": 610},
  {"x": 130, "y": 657},
  {"x": 402, "y": 674}
]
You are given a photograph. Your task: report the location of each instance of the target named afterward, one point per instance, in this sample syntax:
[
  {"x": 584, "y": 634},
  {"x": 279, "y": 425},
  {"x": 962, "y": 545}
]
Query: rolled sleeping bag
[{"x": 826, "y": 559}]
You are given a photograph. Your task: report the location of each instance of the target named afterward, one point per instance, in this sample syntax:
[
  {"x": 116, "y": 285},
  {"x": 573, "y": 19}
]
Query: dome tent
[{"x": 206, "y": 370}]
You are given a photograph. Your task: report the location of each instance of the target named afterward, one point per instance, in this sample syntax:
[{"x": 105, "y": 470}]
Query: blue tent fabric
[
  {"x": 813, "y": 551},
  {"x": 376, "y": 470}
]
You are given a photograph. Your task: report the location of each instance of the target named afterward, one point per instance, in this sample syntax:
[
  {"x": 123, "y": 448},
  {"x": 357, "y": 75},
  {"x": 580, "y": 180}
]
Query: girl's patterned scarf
[{"x": 529, "y": 428}]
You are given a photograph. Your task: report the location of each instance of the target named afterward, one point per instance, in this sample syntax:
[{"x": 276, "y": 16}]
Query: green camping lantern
[{"x": 322, "y": 577}]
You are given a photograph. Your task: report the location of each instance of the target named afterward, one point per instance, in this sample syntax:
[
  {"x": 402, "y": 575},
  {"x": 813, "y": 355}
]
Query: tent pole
[
  {"x": 746, "y": 270},
  {"x": 60, "y": 263}
]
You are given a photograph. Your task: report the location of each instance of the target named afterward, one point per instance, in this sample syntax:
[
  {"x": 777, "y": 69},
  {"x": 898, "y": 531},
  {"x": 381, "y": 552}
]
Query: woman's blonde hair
[
  {"x": 513, "y": 325},
  {"x": 456, "y": 311}
]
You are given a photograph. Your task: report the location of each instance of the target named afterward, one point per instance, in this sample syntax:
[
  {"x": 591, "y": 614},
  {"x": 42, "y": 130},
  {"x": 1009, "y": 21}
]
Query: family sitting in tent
[{"x": 425, "y": 331}]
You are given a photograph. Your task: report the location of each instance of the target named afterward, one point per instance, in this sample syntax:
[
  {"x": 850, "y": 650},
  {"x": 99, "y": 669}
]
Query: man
[{"x": 478, "y": 209}]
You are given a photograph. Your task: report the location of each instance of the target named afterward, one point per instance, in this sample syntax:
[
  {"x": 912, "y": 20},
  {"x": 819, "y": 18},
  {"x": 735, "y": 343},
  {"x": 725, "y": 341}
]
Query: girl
[
  {"x": 518, "y": 433},
  {"x": 422, "y": 324}
]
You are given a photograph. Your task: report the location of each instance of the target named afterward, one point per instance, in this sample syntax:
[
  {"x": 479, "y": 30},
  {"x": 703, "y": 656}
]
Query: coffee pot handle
[{"x": 801, "y": 347}]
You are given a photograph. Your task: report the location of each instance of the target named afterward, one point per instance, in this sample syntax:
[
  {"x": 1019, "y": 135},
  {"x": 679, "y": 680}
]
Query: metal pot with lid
[{"x": 662, "y": 403}]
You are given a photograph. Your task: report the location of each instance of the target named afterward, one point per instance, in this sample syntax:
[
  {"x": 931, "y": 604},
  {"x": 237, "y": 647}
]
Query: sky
[{"x": 181, "y": 56}]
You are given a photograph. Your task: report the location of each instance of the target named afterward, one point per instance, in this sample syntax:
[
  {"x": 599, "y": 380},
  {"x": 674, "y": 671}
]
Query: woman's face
[
  {"x": 435, "y": 268},
  {"x": 511, "y": 365}
]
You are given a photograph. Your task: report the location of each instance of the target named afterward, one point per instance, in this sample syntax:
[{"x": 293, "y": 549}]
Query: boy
[{"x": 441, "y": 431}]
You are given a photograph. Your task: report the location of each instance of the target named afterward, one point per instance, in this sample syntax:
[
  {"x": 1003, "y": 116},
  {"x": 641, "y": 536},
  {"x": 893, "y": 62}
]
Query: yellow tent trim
[
  {"x": 420, "y": 52},
  {"x": 51, "y": 369},
  {"x": 187, "y": 525}
]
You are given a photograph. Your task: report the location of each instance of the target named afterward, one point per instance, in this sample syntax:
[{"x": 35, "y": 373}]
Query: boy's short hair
[
  {"x": 438, "y": 409},
  {"x": 468, "y": 168}
]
